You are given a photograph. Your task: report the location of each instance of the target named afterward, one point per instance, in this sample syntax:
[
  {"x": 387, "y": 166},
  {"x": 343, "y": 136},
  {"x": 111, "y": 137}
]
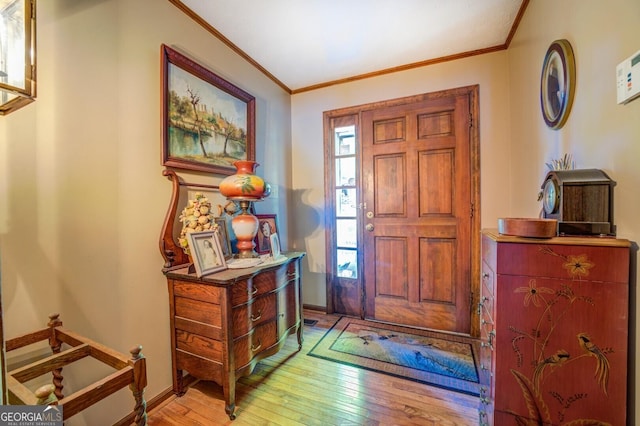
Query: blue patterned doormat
[{"x": 437, "y": 359}]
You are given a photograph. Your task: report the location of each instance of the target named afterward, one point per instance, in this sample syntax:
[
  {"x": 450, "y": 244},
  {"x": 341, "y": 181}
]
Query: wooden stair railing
[{"x": 129, "y": 371}]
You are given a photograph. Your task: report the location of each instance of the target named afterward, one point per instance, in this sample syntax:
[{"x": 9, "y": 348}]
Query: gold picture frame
[{"x": 557, "y": 83}]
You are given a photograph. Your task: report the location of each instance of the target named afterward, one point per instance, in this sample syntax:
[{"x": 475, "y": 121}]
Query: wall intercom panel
[{"x": 628, "y": 78}]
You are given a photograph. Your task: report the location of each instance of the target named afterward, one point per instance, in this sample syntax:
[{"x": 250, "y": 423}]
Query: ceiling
[{"x": 307, "y": 44}]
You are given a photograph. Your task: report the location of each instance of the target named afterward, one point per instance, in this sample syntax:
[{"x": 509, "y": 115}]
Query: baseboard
[
  {"x": 322, "y": 309},
  {"x": 156, "y": 401}
]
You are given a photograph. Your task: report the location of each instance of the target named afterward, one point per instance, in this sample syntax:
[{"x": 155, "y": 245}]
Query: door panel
[
  {"x": 389, "y": 177},
  {"x": 435, "y": 174},
  {"x": 438, "y": 278},
  {"x": 417, "y": 192},
  {"x": 391, "y": 268}
]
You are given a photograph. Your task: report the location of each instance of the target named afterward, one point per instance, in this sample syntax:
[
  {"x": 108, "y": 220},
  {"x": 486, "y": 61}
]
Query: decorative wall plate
[{"x": 557, "y": 83}]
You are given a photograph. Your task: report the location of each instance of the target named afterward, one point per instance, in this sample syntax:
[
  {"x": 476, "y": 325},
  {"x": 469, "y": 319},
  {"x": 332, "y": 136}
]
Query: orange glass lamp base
[{"x": 245, "y": 226}]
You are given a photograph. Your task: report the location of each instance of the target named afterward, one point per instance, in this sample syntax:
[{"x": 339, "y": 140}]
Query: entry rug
[{"x": 436, "y": 359}]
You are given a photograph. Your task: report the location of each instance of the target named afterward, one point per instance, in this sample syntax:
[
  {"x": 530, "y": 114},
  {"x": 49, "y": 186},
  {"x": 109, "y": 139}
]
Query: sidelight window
[{"x": 346, "y": 197}]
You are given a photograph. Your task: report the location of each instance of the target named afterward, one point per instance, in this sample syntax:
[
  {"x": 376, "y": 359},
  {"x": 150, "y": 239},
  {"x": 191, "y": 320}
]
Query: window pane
[
  {"x": 346, "y": 235},
  {"x": 345, "y": 140},
  {"x": 347, "y": 263},
  {"x": 346, "y": 202},
  {"x": 346, "y": 171}
]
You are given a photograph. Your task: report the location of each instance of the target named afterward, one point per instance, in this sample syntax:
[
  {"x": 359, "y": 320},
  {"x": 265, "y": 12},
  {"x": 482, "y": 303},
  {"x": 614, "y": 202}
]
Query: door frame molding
[{"x": 472, "y": 91}]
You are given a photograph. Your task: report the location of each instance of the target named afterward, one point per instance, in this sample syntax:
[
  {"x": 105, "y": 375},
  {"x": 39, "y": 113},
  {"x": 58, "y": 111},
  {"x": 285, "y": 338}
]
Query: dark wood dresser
[
  {"x": 554, "y": 328},
  {"x": 224, "y": 323}
]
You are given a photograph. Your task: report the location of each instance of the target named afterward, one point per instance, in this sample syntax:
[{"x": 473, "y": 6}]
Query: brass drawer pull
[
  {"x": 483, "y": 368},
  {"x": 255, "y": 348},
  {"x": 258, "y": 317},
  {"x": 486, "y": 345},
  {"x": 254, "y": 290},
  {"x": 481, "y": 304}
]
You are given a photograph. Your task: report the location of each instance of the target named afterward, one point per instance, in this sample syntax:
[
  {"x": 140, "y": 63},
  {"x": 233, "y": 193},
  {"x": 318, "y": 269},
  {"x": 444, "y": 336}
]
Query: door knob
[{"x": 369, "y": 227}]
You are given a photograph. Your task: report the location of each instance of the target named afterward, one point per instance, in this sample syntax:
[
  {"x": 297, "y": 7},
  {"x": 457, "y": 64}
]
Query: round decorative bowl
[{"x": 528, "y": 227}]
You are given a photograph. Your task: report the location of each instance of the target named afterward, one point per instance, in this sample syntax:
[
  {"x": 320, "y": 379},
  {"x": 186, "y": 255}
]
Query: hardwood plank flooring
[{"x": 291, "y": 388}]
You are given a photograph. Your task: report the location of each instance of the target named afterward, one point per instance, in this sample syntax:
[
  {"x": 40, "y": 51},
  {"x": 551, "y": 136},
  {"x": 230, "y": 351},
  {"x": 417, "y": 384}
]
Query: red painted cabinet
[{"x": 554, "y": 329}]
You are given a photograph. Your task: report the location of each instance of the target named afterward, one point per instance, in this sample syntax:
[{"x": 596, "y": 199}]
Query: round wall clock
[{"x": 557, "y": 83}]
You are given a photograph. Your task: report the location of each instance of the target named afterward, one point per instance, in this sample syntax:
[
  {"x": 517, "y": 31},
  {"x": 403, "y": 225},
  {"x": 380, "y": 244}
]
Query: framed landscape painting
[{"x": 207, "y": 122}]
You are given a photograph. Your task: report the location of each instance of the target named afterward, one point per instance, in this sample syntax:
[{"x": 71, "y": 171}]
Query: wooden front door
[{"x": 420, "y": 193}]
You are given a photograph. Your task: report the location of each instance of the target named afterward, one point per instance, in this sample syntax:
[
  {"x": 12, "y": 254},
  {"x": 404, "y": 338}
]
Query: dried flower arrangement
[
  {"x": 564, "y": 163},
  {"x": 196, "y": 217}
]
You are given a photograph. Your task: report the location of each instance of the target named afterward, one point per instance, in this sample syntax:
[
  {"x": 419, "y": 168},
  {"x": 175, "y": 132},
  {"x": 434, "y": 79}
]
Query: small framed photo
[
  {"x": 275, "y": 246},
  {"x": 206, "y": 252},
  {"x": 266, "y": 227},
  {"x": 223, "y": 234}
]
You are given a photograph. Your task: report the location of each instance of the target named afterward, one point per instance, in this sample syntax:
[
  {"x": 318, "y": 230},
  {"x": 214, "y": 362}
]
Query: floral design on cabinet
[{"x": 547, "y": 356}]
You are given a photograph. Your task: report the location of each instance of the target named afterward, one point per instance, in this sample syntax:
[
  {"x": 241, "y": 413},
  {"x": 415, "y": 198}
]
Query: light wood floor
[{"x": 291, "y": 388}]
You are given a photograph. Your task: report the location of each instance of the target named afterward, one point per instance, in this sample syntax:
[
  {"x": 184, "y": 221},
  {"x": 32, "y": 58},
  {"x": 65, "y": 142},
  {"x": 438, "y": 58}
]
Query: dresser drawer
[
  {"x": 487, "y": 386},
  {"x": 202, "y": 292},
  {"x": 486, "y": 369},
  {"x": 288, "y": 308},
  {"x": 256, "y": 286},
  {"x": 293, "y": 270},
  {"x": 250, "y": 345},
  {"x": 199, "y": 328},
  {"x": 588, "y": 263},
  {"x": 200, "y": 345},
  {"x": 204, "y": 369},
  {"x": 265, "y": 282},
  {"x": 485, "y": 412},
  {"x": 488, "y": 285},
  {"x": 258, "y": 311},
  {"x": 207, "y": 313},
  {"x": 487, "y": 310},
  {"x": 487, "y": 337}
]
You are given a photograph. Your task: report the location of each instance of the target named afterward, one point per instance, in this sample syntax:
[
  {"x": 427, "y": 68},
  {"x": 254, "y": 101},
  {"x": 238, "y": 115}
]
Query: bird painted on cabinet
[
  {"x": 602, "y": 362},
  {"x": 554, "y": 360}
]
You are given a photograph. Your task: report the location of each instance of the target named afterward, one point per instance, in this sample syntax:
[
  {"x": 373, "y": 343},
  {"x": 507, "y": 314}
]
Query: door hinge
[
  {"x": 470, "y": 120},
  {"x": 472, "y": 209}
]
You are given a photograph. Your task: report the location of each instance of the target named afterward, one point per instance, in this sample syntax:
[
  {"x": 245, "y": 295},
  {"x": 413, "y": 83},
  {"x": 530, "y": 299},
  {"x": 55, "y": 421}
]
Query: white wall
[
  {"x": 82, "y": 198},
  {"x": 598, "y": 133},
  {"x": 489, "y": 71}
]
